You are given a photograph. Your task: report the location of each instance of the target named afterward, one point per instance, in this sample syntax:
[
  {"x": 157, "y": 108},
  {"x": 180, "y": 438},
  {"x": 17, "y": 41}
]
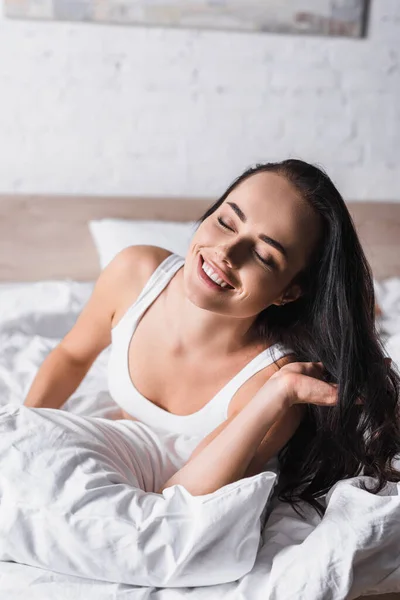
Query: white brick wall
[{"x": 123, "y": 110}]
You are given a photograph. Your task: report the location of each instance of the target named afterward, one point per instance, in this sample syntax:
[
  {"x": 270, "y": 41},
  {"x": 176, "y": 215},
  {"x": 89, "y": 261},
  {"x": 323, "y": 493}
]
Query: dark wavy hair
[{"x": 333, "y": 322}]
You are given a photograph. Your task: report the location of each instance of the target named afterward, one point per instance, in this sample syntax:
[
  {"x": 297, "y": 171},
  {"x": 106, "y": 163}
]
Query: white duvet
[{"x": 353, "y": 550}]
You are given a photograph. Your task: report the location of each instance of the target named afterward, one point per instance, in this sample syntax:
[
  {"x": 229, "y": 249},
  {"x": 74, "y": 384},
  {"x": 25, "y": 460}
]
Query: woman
[{"x": 275, "y": 269}]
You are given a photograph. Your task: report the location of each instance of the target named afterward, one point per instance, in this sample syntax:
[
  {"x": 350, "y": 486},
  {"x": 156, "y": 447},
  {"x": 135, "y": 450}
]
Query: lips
[{"x": 221, "y": 274}]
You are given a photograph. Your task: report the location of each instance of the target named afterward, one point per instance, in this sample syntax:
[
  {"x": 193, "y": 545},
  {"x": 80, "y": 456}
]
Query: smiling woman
[
  {"x": 285, "y": 232},
  {"x": 261, "y": 341},
  {"x": 259, "y": 262}
]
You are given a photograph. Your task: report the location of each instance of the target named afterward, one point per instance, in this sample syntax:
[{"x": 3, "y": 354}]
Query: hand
[{"x": 303, "y": 383}]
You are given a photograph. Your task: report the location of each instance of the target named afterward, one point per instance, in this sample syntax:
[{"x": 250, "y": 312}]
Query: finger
[
  {"x": 359, "y": 401},
  {"x": 315, "y": 366},
  {"x": 311, "y": 369},
  {"x": 321, "y": 393},
  {"x": 325, "y": 394},
  {"x": 318, "y": 370},
  {"x": 310, "y": 390}
]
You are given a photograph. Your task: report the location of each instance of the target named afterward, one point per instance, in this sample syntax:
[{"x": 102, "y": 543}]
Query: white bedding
[{"x": 354, "y": 550}]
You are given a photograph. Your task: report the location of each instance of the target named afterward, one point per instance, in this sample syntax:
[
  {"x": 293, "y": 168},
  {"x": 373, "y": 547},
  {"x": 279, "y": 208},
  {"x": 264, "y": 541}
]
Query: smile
[{"x": 210, "y": 277}]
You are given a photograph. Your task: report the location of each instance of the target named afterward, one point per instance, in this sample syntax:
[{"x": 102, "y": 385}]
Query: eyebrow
[{"x": 262, "y": 236}]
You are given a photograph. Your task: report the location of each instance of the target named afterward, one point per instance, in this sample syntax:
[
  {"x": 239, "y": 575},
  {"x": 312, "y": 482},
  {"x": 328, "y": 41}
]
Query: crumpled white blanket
[
  {"x": 353, "y": 550},
  {"x": 77, "y": 497}
]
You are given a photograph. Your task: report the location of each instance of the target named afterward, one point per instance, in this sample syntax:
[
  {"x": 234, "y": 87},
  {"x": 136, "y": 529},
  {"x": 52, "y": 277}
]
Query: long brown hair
[{"x": 333, "y": 322}]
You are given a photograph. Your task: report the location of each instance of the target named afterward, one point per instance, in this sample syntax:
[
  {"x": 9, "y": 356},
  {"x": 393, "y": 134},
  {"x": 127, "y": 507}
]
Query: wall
[{"x": 95, "y": 109}]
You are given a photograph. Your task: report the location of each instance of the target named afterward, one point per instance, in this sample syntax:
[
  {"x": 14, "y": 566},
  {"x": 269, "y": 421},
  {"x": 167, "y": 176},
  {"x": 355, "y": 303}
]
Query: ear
[{"x": 289, "y": 295}]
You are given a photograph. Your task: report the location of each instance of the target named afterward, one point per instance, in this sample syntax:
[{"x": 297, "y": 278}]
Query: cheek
[
  {"x": 259, "y": 290},
  {"x": 198, "y": 236},
  {"x": 201, "y": 240},
  {"x": 254, "y": 286}
]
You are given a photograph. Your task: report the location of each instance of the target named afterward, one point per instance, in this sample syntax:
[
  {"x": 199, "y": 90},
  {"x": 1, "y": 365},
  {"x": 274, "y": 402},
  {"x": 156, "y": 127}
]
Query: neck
[{"x": 198, "y": 328}]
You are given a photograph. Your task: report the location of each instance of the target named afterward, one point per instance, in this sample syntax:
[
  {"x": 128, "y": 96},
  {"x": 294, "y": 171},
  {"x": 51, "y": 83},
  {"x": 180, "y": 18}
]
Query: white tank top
[{"x": 124, "y": 393}]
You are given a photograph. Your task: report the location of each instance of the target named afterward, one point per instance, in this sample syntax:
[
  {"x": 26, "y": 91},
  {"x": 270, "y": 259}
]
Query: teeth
[{"x": 212, "y": 275}]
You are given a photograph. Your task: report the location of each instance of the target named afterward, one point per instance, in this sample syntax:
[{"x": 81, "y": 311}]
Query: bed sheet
[{"x": 353, "y": 550}]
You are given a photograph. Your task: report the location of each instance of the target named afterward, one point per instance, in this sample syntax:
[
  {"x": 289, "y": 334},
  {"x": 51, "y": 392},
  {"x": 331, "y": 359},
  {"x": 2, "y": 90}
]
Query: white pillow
[
  {"x": 113, "y": 235},
  {"x": 70, "y": 503}
]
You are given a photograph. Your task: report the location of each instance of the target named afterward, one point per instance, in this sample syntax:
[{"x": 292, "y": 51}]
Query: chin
[
  {"x": 195, "y": 296},
  {"x": 202, "y": 300}
]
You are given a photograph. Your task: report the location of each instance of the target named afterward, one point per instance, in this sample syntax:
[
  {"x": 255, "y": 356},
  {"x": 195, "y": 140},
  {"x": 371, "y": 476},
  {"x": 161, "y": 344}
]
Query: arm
[
  {"x": 279, "y": 433},
  {"x": 227, "y": 456},
  {"x": 273, "y": 441},
  {"x": 65, "y": 367},
  {"x": 56, "y": 380}
]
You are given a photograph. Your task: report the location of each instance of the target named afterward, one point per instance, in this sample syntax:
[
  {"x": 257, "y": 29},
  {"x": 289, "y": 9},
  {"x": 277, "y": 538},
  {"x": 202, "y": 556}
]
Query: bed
[{"x": 48, "y": 263}]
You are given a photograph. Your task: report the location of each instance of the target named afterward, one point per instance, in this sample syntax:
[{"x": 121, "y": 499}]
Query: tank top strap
[
  {"x": 160, "y": 277},
  {"x": 152, "y": 288},
  {"x": 261, "y": 361}
]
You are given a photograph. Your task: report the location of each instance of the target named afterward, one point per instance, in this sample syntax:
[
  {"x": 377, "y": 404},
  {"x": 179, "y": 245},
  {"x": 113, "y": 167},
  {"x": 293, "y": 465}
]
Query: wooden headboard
[{"x": 47, "y": 237}]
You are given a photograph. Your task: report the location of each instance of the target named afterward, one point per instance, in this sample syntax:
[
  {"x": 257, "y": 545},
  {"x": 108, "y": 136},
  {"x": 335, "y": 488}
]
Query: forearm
[
  {"x": 226, "y": 457},
  {"x": 57, "y": 378}
]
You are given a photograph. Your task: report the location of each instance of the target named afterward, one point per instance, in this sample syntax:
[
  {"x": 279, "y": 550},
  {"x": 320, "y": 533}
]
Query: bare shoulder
[
  {"x": 117, "y": 287},
  {"x": 130, "y": 270},
  {"x": 138, "y": 262}
]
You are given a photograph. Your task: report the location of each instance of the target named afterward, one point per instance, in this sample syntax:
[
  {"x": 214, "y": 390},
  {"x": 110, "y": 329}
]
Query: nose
[
  {"x": 224, "y": 255},
  {"x": 232, "y": 253}
]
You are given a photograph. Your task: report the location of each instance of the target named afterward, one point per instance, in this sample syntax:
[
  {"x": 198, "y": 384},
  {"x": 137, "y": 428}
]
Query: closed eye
[
  {"x": 267, "y": 262},
  {"x": 221, "y": 222}
]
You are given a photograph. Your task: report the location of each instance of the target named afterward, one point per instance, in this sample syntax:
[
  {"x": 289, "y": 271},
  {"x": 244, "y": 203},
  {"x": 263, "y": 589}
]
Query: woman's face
[{"x": 260, "y": 237}]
